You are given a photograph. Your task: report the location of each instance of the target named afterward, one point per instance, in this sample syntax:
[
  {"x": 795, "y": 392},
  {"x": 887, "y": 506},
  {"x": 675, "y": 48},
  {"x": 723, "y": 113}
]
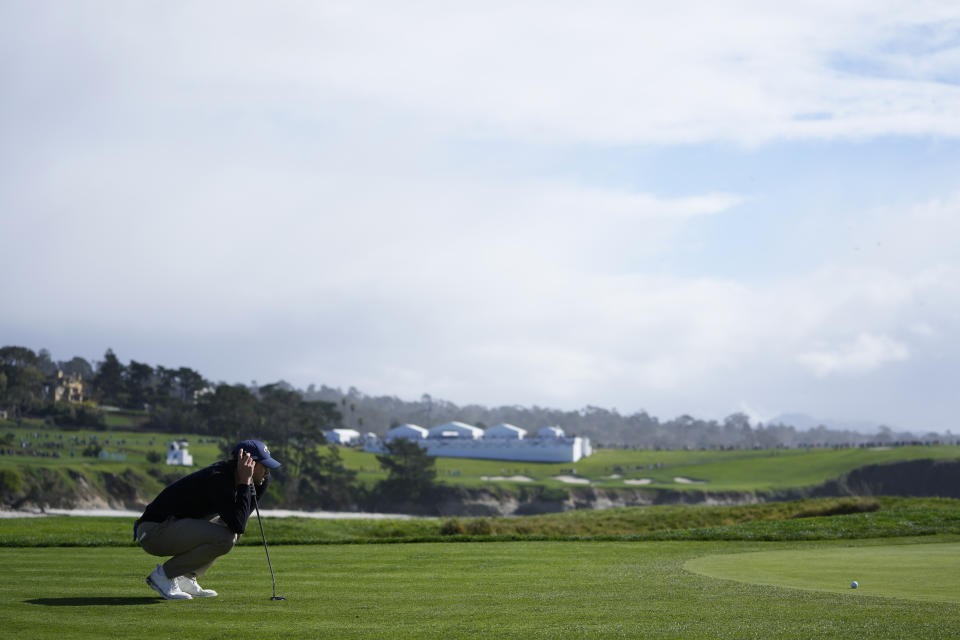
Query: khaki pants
[{"x": 194, "y": 544}]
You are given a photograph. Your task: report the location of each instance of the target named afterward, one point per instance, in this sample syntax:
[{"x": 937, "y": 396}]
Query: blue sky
[{"x": 682, "y": 209}]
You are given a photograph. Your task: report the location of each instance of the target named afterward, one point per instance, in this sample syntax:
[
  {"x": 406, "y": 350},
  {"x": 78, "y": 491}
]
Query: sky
[{"x": 681, "y": 208}]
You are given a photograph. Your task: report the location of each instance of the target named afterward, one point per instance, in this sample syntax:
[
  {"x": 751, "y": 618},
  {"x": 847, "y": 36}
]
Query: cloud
[
  {"x": 613, "y": 72},
  {"x": 243, "y": 236},
  {"x": 865, "y": 354}
]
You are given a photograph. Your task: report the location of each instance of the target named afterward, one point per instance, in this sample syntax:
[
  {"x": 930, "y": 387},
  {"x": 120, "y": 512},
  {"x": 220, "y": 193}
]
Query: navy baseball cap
[{"x": 258, "y": 451}]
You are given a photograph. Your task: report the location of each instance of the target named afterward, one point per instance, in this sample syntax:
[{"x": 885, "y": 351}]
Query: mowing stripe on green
[{"x": 928, "y": 572}]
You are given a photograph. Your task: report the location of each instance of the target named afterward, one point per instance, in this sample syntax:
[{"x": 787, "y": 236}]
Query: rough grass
[{"x": 818, "y": 519}]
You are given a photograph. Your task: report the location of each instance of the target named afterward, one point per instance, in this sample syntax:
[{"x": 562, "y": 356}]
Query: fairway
[
  {"x": 452, "y": 590},
  {"x": 917, "y": 572}
]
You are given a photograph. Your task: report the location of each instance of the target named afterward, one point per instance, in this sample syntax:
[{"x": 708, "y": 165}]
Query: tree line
[
  {"x": 606, "y": 428},
  {"x": 181, "y": 400}
]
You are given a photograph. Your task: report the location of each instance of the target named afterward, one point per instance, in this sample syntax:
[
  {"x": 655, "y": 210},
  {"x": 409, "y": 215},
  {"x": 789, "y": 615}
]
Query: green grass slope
[{"x": 523, "y": 590}]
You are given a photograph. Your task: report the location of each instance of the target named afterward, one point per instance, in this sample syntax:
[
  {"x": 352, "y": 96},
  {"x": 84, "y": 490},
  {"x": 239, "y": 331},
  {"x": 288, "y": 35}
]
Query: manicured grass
[
  {"x": 737, "y": 470},
  {"x": 469, "y": 590},
  {"x": 799, "y": 468},
  {"x": 750, "y": 470},
  {"x": 917, "y": 572},
  {"x": 778, "y": 570}
]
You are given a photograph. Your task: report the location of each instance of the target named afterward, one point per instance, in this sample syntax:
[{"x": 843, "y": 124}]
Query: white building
[
  {"x": 456, "y": 430},
  {"x": 343, "y": 436},
  {"x": 177, "y": 453},
  {"x": 504, "y": 431},
  {"x": 502, "y": 442}
]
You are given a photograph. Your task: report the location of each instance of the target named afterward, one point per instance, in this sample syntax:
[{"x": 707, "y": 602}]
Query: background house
[
  {"x": 177, "y": 453},
  {"x": 60, "y": 388}
]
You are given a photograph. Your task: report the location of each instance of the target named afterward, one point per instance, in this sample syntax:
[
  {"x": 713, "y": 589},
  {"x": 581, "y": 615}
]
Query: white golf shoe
[
  {"x": 166, "y": 587},
  {"x": 189, "y": 585}
]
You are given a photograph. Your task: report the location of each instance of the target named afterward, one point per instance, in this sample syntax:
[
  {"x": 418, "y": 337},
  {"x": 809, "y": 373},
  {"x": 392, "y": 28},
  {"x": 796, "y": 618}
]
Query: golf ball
[{"x": 854, "y": 584}]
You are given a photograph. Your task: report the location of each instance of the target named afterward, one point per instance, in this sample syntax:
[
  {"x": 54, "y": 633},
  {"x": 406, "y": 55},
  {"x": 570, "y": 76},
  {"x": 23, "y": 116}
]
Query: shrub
[
  {"x": 154, "y": 457},
  {"x": 85, "y": 414},
  {"x": 10, "y": 481},
  {"x": 92, "y": 451},
  {"x": 480, "y": 527},
  {"x": 452, "y": 527},
  {"x": 554, "y": 494},
  {"x": 840, "y": 508}
]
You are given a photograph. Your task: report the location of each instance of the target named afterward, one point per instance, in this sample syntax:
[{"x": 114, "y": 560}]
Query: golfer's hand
[{"x": 245, "y": 465}]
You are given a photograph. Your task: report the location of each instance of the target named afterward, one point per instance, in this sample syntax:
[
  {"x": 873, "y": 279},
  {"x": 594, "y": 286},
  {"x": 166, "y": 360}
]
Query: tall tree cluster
[
  {"x": 26, "y": 383},
  {"x": 21, "y": 381},
  {"x": 411, "y": 473},
  {"x": 312, "y": 475}
]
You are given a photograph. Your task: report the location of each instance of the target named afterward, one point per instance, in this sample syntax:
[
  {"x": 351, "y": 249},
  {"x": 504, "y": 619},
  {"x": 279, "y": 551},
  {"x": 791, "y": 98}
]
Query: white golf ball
[{"x": 854, "y": 584}]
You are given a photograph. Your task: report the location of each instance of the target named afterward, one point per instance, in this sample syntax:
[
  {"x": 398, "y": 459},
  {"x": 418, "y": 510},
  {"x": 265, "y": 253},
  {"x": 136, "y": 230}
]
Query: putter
[{"x": 253, "y": 492}]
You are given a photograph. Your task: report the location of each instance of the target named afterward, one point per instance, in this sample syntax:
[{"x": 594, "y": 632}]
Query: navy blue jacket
[{"x": 211, "y": 491}]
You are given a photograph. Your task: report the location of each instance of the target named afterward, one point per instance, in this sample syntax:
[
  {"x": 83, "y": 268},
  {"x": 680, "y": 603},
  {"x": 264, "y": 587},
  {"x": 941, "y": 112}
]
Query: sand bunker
[
  {"x": 614, "y": 476},
  {"x": 571, "y": 480},
  {"x": 638, "y": 481},
  {"x": 682, "y": 480},
  {"x": 508, "y": 478}
]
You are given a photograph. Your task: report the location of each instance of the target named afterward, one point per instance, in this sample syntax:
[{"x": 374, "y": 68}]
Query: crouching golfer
[{"x": 198, "y": 518}]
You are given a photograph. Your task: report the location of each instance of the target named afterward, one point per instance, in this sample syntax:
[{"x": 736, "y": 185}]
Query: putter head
[{"x": 278, "y": 598}]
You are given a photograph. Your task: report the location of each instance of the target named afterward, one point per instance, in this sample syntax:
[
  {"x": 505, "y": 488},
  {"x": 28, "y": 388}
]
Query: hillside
[{"x": 54, "y": 472}]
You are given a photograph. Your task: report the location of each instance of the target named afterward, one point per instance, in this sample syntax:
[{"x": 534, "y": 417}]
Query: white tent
[
  {"x": 456, "y": 430},
  {"x": 343, "y": 436},
  {"x": 411, "y": 432},
  {"x": 504, "y": 431},
  {"x": 550, "y": 432}
]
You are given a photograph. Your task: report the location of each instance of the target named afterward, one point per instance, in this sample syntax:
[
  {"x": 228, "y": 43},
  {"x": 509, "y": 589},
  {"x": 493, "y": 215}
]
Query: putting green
[{"x": 915, "y": 571}]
